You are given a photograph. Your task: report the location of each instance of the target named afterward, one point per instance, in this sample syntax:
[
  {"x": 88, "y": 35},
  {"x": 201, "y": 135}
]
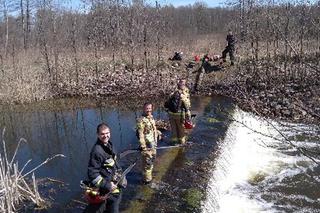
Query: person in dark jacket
[
  {"x": 230, "y": 48},
  {"x": 102, "y": 172}
]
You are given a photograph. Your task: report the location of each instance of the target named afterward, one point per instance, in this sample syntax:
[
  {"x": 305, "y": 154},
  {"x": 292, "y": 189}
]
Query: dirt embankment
[
  {"x": 291, "y": 93},
  {"x": 287, "y": 91},
  {"x": 283, "y": 91}
]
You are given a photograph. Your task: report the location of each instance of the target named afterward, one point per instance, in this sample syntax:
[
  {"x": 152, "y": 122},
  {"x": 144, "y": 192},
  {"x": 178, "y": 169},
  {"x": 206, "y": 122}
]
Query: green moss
[
  {"x": 212, "y": 120},
  {"x": 193, "y": 197},
  {"x": 138, "y": 205},
  {"x": 145, "y": 191}
]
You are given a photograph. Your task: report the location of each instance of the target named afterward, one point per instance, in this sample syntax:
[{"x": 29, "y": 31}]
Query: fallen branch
[
  {"x": 44, "y": 162},
  {"x": 303, "y": 151},
  {"x": 13, "y": 187},
  {"x": 55, "y": 181},
  {"x": 78, "y": 201}
]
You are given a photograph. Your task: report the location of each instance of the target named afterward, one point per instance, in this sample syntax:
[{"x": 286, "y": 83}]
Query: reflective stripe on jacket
[
  {"x": 102, "y": 166},
  {"x": 147, "y": 130}
]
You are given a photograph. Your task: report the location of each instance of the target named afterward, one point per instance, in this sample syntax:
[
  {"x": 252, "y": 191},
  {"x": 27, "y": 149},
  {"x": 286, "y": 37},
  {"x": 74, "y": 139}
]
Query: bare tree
[{"x": 6, "y": 19}]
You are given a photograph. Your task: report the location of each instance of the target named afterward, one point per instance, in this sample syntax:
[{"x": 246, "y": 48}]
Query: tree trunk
[
  {"x": 44, "y": 51},
  {"x": 5, "y": 14},
  {"x": 27, "y": 28},
  {"x": 13, "y": 54},
  {"x": 256, "y": 41},
  {"x": 23, "y": 24},
  {"x": 96, "y": 60},
  {"x": 145, "y": 46},
  {"x": 1, "y": 64},
  {"x": 286, "y": 34},
  {"x": 74, "y": 48},
  {"x": 56, "y": 52}
]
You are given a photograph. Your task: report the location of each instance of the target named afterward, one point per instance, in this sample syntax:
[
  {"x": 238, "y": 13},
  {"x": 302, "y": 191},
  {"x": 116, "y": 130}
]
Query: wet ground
[{"x": 183, "y": 185}]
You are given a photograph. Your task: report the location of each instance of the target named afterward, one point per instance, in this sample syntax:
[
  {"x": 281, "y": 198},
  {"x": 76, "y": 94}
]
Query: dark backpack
[
  {"x": 174, "y": 102},
  {"x": 137, "y": 134},
  {"x": 177, "y": 56}
]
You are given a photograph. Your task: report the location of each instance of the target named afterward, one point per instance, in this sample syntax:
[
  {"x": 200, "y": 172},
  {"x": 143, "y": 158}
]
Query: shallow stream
[{"x": 250, "y": 172}]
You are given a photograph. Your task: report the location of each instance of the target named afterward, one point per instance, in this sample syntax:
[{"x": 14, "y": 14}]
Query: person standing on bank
[
  {"x": 230, "y": 48},
  {"x": 148, "y": 138},
  {"x": 102, "y": 173},
  {"x": 178, "y": 107}
]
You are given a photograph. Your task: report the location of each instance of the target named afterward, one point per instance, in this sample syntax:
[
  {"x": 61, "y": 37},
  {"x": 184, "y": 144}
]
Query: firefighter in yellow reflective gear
[
  {"x": 178, "y": 106},
  {"x": 148, "y": 135}
]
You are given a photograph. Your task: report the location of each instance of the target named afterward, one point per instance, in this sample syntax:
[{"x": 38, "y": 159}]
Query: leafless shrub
[{"x": 14, "y": 188}]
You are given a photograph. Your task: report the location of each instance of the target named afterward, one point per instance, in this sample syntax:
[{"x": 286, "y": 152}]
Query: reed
[{"x": 15, "y": 189}]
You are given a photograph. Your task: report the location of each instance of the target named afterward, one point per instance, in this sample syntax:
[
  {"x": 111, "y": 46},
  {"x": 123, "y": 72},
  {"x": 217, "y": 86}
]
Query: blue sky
[{"x": 211, "y": 3}]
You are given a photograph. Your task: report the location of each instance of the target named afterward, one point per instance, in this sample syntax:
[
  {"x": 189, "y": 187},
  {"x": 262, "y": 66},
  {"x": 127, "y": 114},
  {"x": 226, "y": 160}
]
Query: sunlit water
[
  {"x": 69, "y": 128},
  {"x": 251, "y": 173},
  {"x": 256, "y": 173}
]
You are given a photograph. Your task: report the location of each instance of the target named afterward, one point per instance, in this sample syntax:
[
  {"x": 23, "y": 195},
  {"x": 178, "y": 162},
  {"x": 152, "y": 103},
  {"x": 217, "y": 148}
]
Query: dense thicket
[
  {"x": 41, "y": 40},
  {"x": 120, "y": 26}
]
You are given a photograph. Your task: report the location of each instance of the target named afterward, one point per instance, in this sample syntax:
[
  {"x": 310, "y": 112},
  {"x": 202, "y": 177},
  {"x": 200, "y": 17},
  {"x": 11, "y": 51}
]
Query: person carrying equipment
[
  {"x": 178, "y": 107},
  {"x": 104, "y": 185}
]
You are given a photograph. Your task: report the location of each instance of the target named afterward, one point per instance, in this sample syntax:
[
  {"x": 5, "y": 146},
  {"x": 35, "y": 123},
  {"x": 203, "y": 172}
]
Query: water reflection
[{"x": 70, "y": 132}]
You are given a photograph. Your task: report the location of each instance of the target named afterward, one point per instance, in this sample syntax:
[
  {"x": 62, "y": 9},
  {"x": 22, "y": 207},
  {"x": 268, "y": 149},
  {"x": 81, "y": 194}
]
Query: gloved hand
[
  {"x": 159, "y": 135},
  {"x": 113, "y": 186},
  {"x": 123, "y": 183},
  {"x": 106, "y": 187},
  {"x": 142, "y": 148},
  {"x": 117, "y": 176}
]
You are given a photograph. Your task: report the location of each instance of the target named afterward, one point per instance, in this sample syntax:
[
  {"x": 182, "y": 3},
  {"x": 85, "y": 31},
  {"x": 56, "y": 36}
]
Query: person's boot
[{"x": 146, "y": 182}]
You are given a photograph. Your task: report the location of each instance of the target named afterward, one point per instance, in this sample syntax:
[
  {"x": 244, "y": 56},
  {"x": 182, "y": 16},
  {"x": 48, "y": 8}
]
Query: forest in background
[
  {"x": 46, "y": 48},
  {"x": 116, "y": 48}
]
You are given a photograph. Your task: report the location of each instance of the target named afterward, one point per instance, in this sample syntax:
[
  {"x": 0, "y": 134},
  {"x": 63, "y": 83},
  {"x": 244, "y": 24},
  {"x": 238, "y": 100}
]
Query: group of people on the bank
[
  {"x": 229, "y": 49},
  {"x": 105, "y": 180}
]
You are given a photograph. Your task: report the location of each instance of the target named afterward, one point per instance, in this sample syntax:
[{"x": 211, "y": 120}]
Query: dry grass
[
  {"x": 26, "y": 79},
  {"x": 14, "y": 188}
]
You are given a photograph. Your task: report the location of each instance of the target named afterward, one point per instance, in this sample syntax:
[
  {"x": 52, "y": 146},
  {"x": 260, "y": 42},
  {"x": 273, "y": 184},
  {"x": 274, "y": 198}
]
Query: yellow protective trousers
[
  {"x": 148, "y": 158},
  {"x": 177, "y": 127}
]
